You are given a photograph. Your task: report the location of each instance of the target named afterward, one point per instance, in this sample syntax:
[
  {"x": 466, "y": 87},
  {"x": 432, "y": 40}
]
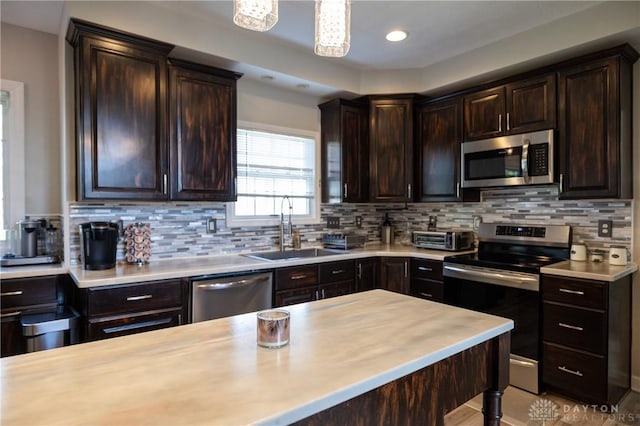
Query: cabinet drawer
[
  {"x": 149, "y": 296},
  {"x": 427, "y": 289},
  {"x": 104, "y": 328},
  {"x": 29, "y": 291},
  {"x": 580, "y": 375},
  {"x": 574, "y": 327},
  {"x": 296, "y": 295},
  {"x": 296, "y": 277},
  {"x": 423, "y": 268},
  {"x": 337, "y": 271},
  {"x": 588, "y": 294}
]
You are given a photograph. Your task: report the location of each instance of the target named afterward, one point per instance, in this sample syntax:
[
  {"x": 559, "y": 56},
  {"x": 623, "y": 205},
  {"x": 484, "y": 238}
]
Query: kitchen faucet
[{"x": 288, "y": 234}]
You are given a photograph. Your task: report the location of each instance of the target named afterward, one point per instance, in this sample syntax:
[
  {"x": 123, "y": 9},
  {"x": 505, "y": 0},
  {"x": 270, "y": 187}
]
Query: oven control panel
[{"x": 521, "y": 231}]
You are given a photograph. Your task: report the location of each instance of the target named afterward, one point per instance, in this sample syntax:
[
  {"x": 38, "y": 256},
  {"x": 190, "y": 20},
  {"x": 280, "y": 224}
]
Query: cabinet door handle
[
  {"x": 346, "y": 192},
  {"x": 317, "y": 295},
  {"x": 10, "y": 314},
  {"x": 406, "y": 269},
  {"x": 574, "y": 372},
  {"x": 409, "y": 192},
  {"x": 508, "y": 124},
  {"x": 566, "y": 290},
  {"x": 324, "y": 296},
  {"x": 359, "y": 271},
  {"x": 429, "y": 295},
  {"x": 561, "y": 184},
  {"x": 572, "y": 327},
  {"x": 11, "y": 293},
  {"x": 337, "y": 271},
  {"x": 458, "y": 190},
  {"x": 179, "y": 319},
  {"x": 499, "y": 122},
  {"x": 137, "y": 325},
  {"x": 164, "y": 183},
  {"x": 143, "y": 297},
  {"x": 298, "y": 277},
  {"x": 424, "y": 268}
]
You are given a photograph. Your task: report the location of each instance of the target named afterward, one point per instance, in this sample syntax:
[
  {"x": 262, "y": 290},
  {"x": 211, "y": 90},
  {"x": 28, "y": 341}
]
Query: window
[
  {"x": 12, "y": 173},
  {"x": 274, "y": 163}
]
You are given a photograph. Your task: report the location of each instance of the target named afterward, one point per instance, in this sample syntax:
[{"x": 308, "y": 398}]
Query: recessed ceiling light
[
  {"x": 302, "y": 86},
  {"x": 267, "y": 77},
  {"x": 397, "y": 35}
]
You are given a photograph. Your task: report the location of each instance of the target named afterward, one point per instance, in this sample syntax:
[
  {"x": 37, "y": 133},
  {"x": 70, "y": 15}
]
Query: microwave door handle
[{"x": 524, "y": 162}]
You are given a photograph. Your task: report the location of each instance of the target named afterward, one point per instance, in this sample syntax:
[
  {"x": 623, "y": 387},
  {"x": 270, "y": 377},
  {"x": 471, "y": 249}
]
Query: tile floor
[{"x": 519, "y": 407}]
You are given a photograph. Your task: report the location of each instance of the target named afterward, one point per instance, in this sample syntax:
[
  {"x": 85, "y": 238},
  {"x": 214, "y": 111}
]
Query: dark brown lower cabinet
[
  {"x": 426, "y": 279},
  {"x": 586, "y": 331},
  {"x": 394, "y": 274},
  {"x": 299, "y": 284},
  {"x": 23, "y": 296},
  {"x": 367, "y": 274},
  {"x": 118, "y": 310}
]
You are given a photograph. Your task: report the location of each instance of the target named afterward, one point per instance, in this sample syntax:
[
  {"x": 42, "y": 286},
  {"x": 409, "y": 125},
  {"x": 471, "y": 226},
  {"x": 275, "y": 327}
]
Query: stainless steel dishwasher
[{"x": 222, "y": 296}]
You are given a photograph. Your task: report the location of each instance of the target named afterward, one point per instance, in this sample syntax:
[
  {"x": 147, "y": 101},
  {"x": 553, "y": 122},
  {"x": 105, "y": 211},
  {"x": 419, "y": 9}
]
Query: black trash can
[{"x": 48, "y": 330}]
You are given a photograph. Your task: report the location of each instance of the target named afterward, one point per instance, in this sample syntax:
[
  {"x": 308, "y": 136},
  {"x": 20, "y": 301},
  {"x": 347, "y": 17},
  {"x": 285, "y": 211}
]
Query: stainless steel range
[{"x": 503, "y": 278}]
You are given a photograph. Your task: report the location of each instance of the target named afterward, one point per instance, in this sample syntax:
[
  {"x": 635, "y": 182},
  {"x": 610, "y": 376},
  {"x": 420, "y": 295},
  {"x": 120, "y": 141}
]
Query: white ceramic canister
[
  {"x": 579, "y": 252},
  {"x": 618, "y": 255}
]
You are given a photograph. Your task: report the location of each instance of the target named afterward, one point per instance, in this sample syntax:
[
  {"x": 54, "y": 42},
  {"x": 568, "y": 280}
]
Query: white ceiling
[{"x": 438, "y": 30}]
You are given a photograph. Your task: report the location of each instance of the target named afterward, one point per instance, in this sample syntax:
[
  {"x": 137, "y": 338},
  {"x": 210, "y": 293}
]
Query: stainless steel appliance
[
  {"x": 221, "y": 296},
  {"x": 37, "y": 243},
  {"x": 99, "y": 244},
  {"x": 343, "y": 241},
  {"x": 443, "y": 240},
  {"x": 503, "y": 278},
  {"x": 523, "y": 159}
]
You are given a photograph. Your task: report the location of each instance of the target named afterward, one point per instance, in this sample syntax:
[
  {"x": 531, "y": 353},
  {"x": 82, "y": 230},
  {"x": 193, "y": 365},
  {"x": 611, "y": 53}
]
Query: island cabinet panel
[
  {"x": 111, "y": 311},
  {"x": 594, "y": 129},
  {"x": 586, "y": 338},
  {"x": 299, "y": 284},
  {"x": 426, "y": 279},
  {"x": 391, "y": 149},
  {"x": 121, "y": 113},
  {"x": 394, "y": 274},
  {"x": 202, "y": 132},
  {"x": 438, "y": 140},
  {"x": 367, "y": 274},
  {"x": 521, "y": 106},
  {"x": 23, "y": 296},
  {"x": 344, "y": 151}
]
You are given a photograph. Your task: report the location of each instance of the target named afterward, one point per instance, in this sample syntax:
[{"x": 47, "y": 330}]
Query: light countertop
[
  {"x": 213, "y": 372},
  {"x": 601, "y": 271}
]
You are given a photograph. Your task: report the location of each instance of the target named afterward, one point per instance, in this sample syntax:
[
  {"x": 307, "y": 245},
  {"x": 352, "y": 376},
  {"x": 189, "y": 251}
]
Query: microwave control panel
[{"x": 539, "y": 159}]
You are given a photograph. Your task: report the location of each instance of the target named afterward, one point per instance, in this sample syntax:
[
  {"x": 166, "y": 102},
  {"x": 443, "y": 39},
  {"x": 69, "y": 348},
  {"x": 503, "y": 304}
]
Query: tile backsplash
[{"x": 179, "y": 229}]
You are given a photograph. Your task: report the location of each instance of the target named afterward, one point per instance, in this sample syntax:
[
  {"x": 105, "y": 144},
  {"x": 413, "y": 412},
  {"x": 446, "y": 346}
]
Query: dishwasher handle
[{"x": 207, "y": 286}]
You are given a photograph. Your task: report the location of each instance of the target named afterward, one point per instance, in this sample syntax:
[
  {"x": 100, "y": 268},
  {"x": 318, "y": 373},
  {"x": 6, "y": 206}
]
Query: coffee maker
[{"x": 99, "y": 244}]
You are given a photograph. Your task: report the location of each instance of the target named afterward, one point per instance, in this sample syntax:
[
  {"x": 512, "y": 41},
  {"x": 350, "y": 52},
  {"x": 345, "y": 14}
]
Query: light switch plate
[
  {"x": 212, "y": 226},
  {"x": 605, "y": 227}
]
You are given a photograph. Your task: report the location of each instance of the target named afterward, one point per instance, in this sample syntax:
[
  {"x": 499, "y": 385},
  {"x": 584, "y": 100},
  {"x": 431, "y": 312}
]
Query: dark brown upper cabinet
[
  {"x": 391, "y": 148},
  {"x": 120, "y": 114},
  {"x": 594, "y": 126},
  {"x": 137, "y": 141},
  {"x": 522, "y": 106},
  {"x": 438, "y": 140},
  {"x": 345, "y": 151},
  {"x": 202, "y": 132}
]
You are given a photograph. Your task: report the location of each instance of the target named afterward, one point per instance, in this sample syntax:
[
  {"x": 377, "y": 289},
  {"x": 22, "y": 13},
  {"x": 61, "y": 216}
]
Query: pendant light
[
  {"x": 333, "y": 27},
  {"x": 256, "y": 15}
]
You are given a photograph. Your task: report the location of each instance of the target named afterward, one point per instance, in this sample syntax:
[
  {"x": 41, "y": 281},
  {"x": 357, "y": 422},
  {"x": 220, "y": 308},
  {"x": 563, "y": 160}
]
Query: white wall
[{"x": 32, "y": 58}]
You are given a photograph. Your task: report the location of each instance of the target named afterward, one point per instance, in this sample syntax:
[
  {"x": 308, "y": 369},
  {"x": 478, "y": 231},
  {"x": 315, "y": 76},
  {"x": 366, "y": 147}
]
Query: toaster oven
[{"x": 443, "y": 240}]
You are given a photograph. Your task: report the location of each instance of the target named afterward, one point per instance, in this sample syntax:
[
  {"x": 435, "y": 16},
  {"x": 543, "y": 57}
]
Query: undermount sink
[{"x": 293, "y": 254}]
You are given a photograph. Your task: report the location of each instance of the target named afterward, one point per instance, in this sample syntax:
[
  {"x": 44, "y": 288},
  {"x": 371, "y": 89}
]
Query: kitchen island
[{"x": 367, "y": 358}]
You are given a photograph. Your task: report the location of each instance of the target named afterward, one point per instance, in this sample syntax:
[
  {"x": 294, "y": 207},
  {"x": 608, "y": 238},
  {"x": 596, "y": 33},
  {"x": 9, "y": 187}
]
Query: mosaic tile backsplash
[{"x": 179, "y": 229}]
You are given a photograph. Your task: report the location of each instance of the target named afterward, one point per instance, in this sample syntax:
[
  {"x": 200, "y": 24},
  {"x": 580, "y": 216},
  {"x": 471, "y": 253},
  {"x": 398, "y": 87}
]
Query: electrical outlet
[
  {"x": 605, "y": 227},
  {"x": 359, "y": 221},
  {"x": 333, "y": 222},
  {"x": 433, "y": 223},
  {"x": 212, "y": 226}
]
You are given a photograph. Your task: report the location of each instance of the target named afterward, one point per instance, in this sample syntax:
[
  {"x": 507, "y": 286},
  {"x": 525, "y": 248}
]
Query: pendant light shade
[
  {"x": 256, "y": 15},
  {"x": 333, "y": 27}
]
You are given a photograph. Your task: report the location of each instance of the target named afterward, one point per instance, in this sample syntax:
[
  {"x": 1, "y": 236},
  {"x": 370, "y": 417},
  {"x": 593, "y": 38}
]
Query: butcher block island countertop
[{"x": 213, "y": 372}]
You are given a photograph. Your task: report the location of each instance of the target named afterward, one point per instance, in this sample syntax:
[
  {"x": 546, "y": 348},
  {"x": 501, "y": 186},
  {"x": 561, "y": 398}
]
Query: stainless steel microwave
[{"x": 525, "y": 159}]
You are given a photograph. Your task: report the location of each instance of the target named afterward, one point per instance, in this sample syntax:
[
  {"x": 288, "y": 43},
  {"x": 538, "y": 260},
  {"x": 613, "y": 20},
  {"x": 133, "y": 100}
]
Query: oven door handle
[{"x": 525, "y": 282}]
